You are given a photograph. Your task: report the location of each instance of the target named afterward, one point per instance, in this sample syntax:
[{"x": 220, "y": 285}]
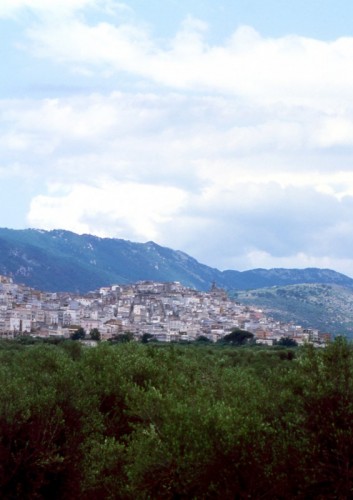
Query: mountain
[
  {"x": 327, "y": 307},
  {"x": 60, "y": 260},
  {"x": 261, "y": 278}
]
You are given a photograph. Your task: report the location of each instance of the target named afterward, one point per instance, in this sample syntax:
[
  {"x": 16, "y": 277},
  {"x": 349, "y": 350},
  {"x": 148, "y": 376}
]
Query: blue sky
[{"x": 223, "y": 129}]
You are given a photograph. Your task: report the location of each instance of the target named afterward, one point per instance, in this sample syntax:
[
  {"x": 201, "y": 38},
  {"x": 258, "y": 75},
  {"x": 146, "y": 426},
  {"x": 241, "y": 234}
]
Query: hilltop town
[{"x": 166, "y": 311}]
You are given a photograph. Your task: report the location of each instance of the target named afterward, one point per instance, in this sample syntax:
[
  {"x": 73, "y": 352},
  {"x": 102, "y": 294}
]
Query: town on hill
[{"x": 163, "y": 311}]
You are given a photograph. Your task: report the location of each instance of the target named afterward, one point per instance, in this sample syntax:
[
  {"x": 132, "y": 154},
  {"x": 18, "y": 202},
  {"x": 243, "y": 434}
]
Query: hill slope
[
  {"x": 326, "y": 307},
  {"x": 64, "y": 261}
]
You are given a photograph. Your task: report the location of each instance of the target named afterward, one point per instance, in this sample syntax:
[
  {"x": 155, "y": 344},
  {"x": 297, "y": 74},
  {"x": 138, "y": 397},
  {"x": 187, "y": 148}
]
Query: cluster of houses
[{"x": 166, "y": 311}]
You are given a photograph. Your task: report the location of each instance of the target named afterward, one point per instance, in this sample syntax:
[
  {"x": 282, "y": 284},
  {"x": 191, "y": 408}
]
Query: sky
[{"x": 220, "y": 128}]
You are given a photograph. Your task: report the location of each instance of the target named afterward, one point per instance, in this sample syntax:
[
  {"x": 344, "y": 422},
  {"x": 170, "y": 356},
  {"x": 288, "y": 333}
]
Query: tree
[
  {"x": 287, "y": 342},
  {"x": 79, "y": 334},
  {"x": 203, "y": 338},
  {"x": 122, "y": 337},
  {"x": 95, "y": 334},
  {"x": 325, "y": 401},
  {"x": 238, "y": 337},
  {"x": 146, "y": 337}
]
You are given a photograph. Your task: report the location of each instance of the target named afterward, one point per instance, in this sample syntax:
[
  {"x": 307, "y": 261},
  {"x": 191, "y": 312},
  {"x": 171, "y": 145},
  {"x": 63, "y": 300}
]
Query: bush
[{"x": 172, "y": 421}]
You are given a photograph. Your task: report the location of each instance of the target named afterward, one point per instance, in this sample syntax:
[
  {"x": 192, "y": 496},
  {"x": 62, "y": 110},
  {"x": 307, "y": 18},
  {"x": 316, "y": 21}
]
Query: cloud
[
  {"x": 295, "y": 225},
  {"x": 190, "y": 141},
  {"x": 291, "y": 69},
  {"x": 238, "y": 153},
  {"x": 126, "y": 209},
  {"x": 222, "y": 180}
]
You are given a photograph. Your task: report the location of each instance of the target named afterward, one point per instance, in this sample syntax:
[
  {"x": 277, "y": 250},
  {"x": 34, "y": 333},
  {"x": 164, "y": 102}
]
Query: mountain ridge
[
  {"x": 328, "y": 307},
  {"x": 60, "y": 260}
]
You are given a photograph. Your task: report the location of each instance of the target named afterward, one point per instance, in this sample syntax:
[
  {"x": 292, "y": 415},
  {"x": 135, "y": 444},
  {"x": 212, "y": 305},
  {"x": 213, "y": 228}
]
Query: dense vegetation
[{"x": 143, "y": 421}]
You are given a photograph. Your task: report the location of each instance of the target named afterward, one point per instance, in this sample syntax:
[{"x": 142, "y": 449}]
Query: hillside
[
  {"x": 262, "y": 278},
  {"x": 323, "y": 306},
  {"x": 60, "y": 260},
  {"x": 64, "y": 261}
]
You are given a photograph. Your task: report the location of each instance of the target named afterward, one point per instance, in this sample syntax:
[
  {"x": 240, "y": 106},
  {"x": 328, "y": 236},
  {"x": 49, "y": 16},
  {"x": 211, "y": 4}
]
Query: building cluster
[{"x": 166, "y": 311}]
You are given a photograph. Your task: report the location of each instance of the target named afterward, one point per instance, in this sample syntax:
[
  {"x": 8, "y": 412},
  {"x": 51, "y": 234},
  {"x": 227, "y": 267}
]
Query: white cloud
[
  {"x": 291, "y": 69},
  {"x": 244, "y": 159},
  {"x": 191, "y": 141},
  {"x": 116, "y": 209},
  {"x": 238, "y": 153},
  {"x": 209, "y": 175},
  {"x": 336, "y": 131}
]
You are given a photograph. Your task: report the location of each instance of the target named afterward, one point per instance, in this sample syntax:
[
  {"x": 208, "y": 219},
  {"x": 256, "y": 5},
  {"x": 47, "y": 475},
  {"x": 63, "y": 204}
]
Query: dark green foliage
[
  {"x": 203, "y": 338},
  {"x": 238, "y": 337},
  {"x": 73, "y": 349},
  {"x": 95, "y": 334},
  {"x": 146, "y": 337},
  {"x": 121, "y": 338},
  {"x": 79, "y": 334},
  {"x": 136, "y": 421},
  {"x": 289, "y": 355},
  {"x": 287, "y": 342}
]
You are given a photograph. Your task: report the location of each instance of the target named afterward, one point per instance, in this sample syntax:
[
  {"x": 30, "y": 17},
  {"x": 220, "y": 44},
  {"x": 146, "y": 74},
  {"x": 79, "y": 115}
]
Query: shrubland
[{"x": 147, "y": 421}]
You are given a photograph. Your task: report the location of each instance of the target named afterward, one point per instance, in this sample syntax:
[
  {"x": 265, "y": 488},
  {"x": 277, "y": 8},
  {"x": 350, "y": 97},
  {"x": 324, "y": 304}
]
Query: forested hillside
[{"x": 137, "y": 421}]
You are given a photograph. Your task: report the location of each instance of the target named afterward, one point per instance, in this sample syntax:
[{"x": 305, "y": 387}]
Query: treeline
[{"x": 135, "y": 421}]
